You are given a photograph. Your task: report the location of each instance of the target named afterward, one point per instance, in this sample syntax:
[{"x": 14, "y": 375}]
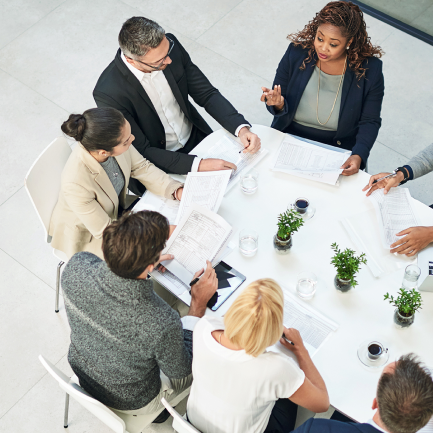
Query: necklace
[{"x": 336, "y": 96}]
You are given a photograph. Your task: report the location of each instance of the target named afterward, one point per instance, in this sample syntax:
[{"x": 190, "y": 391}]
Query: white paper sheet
[
  {"x": 314, "y": 328},
  {"x": 228, "y": 150},
  {"x": 166, "y": 207},
  {"x": 306, "y": 160},
  {"x": 201, "y": 235},
  {"x": 394, "y": 212},
  {"x": 178, "y": 287},
  {"x": 205, "y": 189}
]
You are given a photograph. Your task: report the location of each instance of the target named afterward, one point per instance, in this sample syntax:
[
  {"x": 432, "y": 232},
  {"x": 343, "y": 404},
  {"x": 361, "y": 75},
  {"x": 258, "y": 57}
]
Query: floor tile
[
  {"x": 28, "y": 123},
  {"x": 424, "y": 21},
  {"x": 70, "y": 49},
  {"x": 19, "y": 15},
  {"x": 190, "y": 17},
  {"x": 27, "y": 329},
  {"x": 241, "y": 87},
  {"x": 407, "y": 106},
  {"x": 24, "y": 240}
]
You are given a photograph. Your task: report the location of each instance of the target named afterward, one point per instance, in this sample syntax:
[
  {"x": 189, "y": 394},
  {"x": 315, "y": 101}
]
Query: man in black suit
[
  {"x": 149, "y": 81},
  {"x": 404, "y": 403}
]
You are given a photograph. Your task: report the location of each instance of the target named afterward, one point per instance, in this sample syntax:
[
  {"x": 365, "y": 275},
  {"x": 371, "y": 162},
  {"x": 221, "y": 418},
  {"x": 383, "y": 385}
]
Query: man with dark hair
[
  {"x": 150, "y": 81},
  {"x": 404, "y": 403},
  {"x": 129, "y": 348}
]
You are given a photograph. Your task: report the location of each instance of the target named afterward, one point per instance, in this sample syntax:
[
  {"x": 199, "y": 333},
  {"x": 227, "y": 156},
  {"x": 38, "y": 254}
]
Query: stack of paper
[
  {"x": 201, "y": 235},
  {"x": 309, "y": 161},
  {"x": 394, "y": 212},
  {"x": 232, "y": 151},
  {"x": 168, "y": 208}
]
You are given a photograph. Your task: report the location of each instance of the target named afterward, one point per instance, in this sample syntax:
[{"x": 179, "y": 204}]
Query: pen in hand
[
  {"x": 288, "y": 341},
  {"x": 244, "y": 149},
  {"x": 385, "y": 177}
]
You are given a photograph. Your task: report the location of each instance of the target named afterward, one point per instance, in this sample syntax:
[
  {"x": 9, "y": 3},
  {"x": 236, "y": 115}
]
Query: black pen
[
  {"x": 385, "y": 177},
  {"x": 195, "y": 280},
  {"x": 244, "y": 148},
  {"x": 288, "y": 341}
]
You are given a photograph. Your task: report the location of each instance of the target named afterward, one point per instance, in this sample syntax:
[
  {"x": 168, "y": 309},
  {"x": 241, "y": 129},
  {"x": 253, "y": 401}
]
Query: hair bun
[{"x": 75, "y": 126}]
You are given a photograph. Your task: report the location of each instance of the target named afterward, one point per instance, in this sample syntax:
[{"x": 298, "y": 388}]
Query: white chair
[
  {"x": 42, "y": 183},
  {"x": 117, "y": 421},
  {"x": 180, "y": 424}
]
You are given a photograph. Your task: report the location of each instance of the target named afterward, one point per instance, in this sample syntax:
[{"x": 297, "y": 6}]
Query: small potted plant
[
  {"x": 407, "y": 303},
  {"x": 347, "y": 265},
  {"x": 289, "y": 222}
]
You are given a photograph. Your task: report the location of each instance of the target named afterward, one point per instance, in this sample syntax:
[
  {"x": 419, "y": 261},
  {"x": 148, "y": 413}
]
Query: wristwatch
[{"x": 405, "y": 174}]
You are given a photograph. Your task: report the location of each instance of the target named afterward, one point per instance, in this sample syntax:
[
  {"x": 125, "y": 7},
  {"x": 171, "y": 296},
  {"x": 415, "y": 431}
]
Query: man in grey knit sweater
[
  {"x": 128, "y": 347},
  {"x": 415, "y": 238}
]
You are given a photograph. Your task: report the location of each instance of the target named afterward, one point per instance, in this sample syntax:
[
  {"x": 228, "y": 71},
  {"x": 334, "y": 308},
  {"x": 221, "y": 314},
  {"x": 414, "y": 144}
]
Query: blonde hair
[{"x": 255, "y": 319}]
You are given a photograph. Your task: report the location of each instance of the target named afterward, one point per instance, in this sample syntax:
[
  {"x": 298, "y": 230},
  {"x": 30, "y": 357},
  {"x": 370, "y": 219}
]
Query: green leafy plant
[
  {"x": 288, "y": 222},
  {"x": 346, "y": 263},
  {"x": 408, "y": 301}
]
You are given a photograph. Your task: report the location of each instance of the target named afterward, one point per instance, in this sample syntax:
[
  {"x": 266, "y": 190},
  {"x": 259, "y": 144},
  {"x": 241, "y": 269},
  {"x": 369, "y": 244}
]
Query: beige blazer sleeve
[
  {"x": 82, "y": 202},
  {"x": 154, "y": 179}
]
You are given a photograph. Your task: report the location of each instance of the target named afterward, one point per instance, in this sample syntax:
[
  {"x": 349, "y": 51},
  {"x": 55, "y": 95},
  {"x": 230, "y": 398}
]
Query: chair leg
[
  {"x": 65, "y": 421},
  {"x": 59, "y": 266}
]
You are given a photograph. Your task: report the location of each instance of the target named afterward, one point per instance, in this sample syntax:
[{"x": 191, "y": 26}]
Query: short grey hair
[{"x": 138, "y": 35}]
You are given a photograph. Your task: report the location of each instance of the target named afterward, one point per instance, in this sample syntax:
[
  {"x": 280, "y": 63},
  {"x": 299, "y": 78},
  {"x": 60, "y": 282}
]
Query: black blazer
[
  {"x": 317, "y": 425},
  {"x": 361, "y": 101},
  {"x": 118, "y": 87}
]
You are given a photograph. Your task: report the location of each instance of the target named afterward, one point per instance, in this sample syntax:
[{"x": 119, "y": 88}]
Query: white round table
[{"x": 361, "y": 313}]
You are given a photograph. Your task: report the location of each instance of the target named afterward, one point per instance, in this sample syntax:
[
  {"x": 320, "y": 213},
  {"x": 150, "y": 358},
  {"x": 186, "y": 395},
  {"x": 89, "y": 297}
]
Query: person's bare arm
[{"x": 312, "y": 394}]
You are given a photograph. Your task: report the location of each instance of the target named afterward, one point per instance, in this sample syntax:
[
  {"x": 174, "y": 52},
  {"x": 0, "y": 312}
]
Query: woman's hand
[
  {"x": 178, "y": 193},
  {"x": 387, "y": 184},
  {"x": 294, "y": 336},
  {"x": 416, "y": 239},
  {"x": 273, "y": 97},
  {"x": 351, "y": 166}
]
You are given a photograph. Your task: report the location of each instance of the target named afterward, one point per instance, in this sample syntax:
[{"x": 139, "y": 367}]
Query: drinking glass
[
  {"x": 411, "y": 275},
  {"x": 248, "y": 242},
  {"x": 249, "y": 182},
  {"x": 301, "y": 205},
  {"x": 306, "y": 286}
]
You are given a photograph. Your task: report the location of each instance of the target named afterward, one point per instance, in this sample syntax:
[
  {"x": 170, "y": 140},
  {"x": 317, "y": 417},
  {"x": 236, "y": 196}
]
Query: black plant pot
[
  {"x": 282, "y": 246},
  {"x": 342, "y": 285}
]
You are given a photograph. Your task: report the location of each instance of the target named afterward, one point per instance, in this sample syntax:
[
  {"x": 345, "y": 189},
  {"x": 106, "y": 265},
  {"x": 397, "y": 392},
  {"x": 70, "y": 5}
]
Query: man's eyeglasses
[{"x": 161, "y": 62}]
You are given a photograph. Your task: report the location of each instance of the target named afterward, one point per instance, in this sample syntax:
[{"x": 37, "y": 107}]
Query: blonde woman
[{"x": 238, "y": 386}]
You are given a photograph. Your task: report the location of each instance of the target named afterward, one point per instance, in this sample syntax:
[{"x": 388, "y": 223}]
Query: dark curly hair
[{"x": 349, "y": 18}]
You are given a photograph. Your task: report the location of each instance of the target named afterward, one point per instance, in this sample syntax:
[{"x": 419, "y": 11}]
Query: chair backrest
[
  {"x": 102, "y": 412},
  {"x": 43, "y": 180},
  {"x": 180, "y": 424}
]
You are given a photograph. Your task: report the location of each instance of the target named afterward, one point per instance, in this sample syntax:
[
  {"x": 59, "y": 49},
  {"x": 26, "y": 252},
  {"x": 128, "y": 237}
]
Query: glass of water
[
  {"x": 306, "y": 286},
  {"x": 411, "y": 275},
  {"x": 249, "y": 182},
  {"x": 248, "y": 242}
]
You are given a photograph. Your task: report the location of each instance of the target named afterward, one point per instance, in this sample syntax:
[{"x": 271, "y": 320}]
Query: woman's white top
[{"x": 232, "y": 391}]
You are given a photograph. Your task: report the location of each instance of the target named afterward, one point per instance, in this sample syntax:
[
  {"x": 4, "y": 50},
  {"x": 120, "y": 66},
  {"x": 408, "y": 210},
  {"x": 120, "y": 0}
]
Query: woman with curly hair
[{"x": 329, "y": 85}]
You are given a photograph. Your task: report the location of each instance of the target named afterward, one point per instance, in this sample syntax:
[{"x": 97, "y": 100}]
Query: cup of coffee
[
  {"x": 301, "y": 205},
  {"x": 375, "y": 350}
]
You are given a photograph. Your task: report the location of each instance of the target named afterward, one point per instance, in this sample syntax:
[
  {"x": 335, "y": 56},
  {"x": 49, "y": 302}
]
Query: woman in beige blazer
[{"x": 88, "y": 200}]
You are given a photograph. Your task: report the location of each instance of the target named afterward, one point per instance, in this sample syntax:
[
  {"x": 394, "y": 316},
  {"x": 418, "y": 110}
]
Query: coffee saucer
[
  {"x": 311, "y": 210},
  {"x": 372, "y": 363}
]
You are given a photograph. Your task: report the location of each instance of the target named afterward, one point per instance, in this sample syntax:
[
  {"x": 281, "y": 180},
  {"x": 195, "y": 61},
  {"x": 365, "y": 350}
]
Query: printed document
[
  {"x": 201, "y": 235},
  {"x": 306, "y": 160},
  {"x": 167, "y": 207},
  {"x": 394, "y": 212},
  {"x": 314, "y": 328},
  {"x": 228, "y": 150},
  {"x": 205, "y": 189}
]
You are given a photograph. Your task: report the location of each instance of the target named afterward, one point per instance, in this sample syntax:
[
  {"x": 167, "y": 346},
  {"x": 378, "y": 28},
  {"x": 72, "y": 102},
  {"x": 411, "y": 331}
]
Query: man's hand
[
  {"x": 250, "y": 140},
  {"x": 273, "y": 97},
  {"x": 203, "y": 290},
  {"x": 387, "y": 184},
  {"x": 163, "y": 257},
  {"x": 351, "y": 166},
  {"x": 172, "y": 229},
  {"x": 294, "y": 336},
  {"x": 416, "y": 239},
  {"x": 212, "y": 164}
]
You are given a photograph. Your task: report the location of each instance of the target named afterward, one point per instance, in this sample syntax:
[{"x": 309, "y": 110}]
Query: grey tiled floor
[{"x": 51, "y": 53}]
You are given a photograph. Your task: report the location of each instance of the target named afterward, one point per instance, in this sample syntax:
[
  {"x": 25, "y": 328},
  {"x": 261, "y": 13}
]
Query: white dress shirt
[
  {"x": 371, "y": 422},
  {"x": 177, "y": 127}
]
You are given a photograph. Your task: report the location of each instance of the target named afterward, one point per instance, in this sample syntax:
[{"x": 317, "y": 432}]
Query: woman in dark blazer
[{"x": 329, "y": 85}]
